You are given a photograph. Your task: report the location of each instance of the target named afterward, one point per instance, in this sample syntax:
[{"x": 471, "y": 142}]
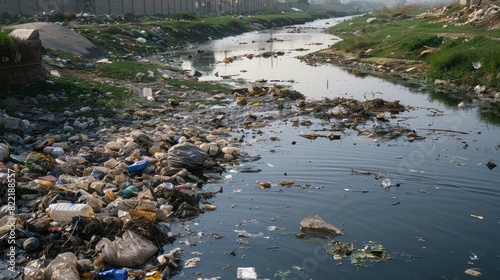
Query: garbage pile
[
  {"x": 349, "y": 113},
  {"x": 370, "y": 254},
  {"x": 471, "y": 15},
  {"x": 107, "y": 207}
]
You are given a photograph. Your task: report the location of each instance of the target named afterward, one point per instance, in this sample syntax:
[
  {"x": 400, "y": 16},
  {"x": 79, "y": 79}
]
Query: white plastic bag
[{"x": 128, "y": 251}]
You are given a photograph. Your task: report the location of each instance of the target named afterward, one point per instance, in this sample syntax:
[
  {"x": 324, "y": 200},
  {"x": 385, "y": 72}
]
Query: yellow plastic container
[{"x": 44, "y": 183}]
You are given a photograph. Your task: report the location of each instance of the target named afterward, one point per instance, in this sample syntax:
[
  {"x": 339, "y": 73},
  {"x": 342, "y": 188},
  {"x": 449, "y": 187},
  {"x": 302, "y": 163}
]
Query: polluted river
[
  {"x": 430, "y": 205},
  {"x": 362, "y": 179}
]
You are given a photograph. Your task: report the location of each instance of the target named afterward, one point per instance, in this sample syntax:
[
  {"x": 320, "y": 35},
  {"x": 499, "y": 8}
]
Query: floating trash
[
  {"x": 369, "y": 255},
  {"x": 315, "y": 225}
]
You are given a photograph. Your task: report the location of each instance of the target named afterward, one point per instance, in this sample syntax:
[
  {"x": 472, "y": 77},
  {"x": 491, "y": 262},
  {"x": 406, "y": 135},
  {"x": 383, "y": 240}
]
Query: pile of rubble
[{"x": 348, "y": 113}]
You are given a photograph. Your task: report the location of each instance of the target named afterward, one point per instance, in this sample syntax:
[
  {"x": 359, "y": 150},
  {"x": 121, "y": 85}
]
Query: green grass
[
  {"x": 6, "y": 38},
  {"x": 454, "y": 61},
  {"x": 128, "y": 70},
  {"x": 201, "y": 86},
  {"x": 406, "y": 38}
]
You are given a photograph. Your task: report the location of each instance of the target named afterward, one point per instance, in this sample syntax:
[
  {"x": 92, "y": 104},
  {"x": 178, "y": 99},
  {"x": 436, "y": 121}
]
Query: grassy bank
[
  {"x": 150, "y": 35},
  {"x": 466, "y": 54},
  {"x": 114, "y": 89}
]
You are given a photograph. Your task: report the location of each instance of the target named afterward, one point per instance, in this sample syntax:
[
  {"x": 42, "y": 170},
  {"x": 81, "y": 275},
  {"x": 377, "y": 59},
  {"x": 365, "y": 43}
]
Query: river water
[{"x": 444, "y": 211}]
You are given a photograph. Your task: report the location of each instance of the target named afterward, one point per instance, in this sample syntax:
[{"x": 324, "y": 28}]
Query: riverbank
[{"x": 451, "y": 49}]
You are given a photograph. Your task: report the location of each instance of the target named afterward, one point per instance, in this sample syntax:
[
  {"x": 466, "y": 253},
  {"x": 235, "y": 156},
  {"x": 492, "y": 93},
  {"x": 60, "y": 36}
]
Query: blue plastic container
[
  {"x": 114, "y": 274},
  {"x": 138, "y": 166}
]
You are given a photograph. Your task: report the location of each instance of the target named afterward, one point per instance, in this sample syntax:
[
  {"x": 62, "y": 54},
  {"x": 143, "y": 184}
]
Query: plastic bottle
[
  {"x": 114, "y": 274},
  {"x": 64, "y": 212},
  {"x": 129, "y": 192}
]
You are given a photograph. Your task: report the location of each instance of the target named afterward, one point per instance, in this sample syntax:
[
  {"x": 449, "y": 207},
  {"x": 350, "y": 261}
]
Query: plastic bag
[
  {"x": 186, "y": 155},
  {"x": 34, "y": 269},
  {"x": 63, "y": 267},
  {"x": 128, "y": 251}
]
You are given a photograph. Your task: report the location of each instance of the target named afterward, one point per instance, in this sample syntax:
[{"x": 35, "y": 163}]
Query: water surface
[{"x": 426, "y": 223}]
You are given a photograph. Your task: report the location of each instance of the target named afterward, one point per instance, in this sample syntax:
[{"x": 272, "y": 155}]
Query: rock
[
  {"x": 231, "y": 150},
  {"x": 57, "y": 152},
  {"x": 315, "y": 225},
  {"x": 74, "y": 138},
  {"x": 85, "y": 109},
  {"x": 4, "y": 152},
  {"x": 114, "y": 146},
  {"x": 11, "y": 123},
  {"x": 63, "y": 145},
  {"x": 214, "y": 150},
  {"x": 129, "y": 147}
]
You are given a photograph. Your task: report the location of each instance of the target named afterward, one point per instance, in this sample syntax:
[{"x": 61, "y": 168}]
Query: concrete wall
[
  {"x": 145, "y": 7},
  {"x": 20, "y": 62}
]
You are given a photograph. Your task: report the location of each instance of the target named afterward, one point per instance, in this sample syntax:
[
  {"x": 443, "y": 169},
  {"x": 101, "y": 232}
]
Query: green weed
[
  {"x": 201, "y": 86},
  {"x": 6, "y": 38},
  {"x": 129, "y": 70}
]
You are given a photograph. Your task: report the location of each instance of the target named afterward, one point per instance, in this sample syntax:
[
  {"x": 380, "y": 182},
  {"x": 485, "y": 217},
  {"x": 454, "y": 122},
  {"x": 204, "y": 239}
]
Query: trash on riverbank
[
  {"x": 468, "y": 15},
  {"x": 367, "y": 117},
  {"x": 112, "y": 205}
]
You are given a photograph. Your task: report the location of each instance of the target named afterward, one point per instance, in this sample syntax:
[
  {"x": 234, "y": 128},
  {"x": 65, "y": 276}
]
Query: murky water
[{"x": 430, "y": 224}]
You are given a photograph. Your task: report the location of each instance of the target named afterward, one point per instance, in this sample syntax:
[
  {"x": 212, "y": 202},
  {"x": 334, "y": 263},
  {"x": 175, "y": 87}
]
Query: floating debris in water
[{"x": 473, "y": 272}]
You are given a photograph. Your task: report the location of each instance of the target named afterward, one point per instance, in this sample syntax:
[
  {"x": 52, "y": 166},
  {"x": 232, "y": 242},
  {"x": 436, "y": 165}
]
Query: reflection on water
[{"x": 428, "y": 223}]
